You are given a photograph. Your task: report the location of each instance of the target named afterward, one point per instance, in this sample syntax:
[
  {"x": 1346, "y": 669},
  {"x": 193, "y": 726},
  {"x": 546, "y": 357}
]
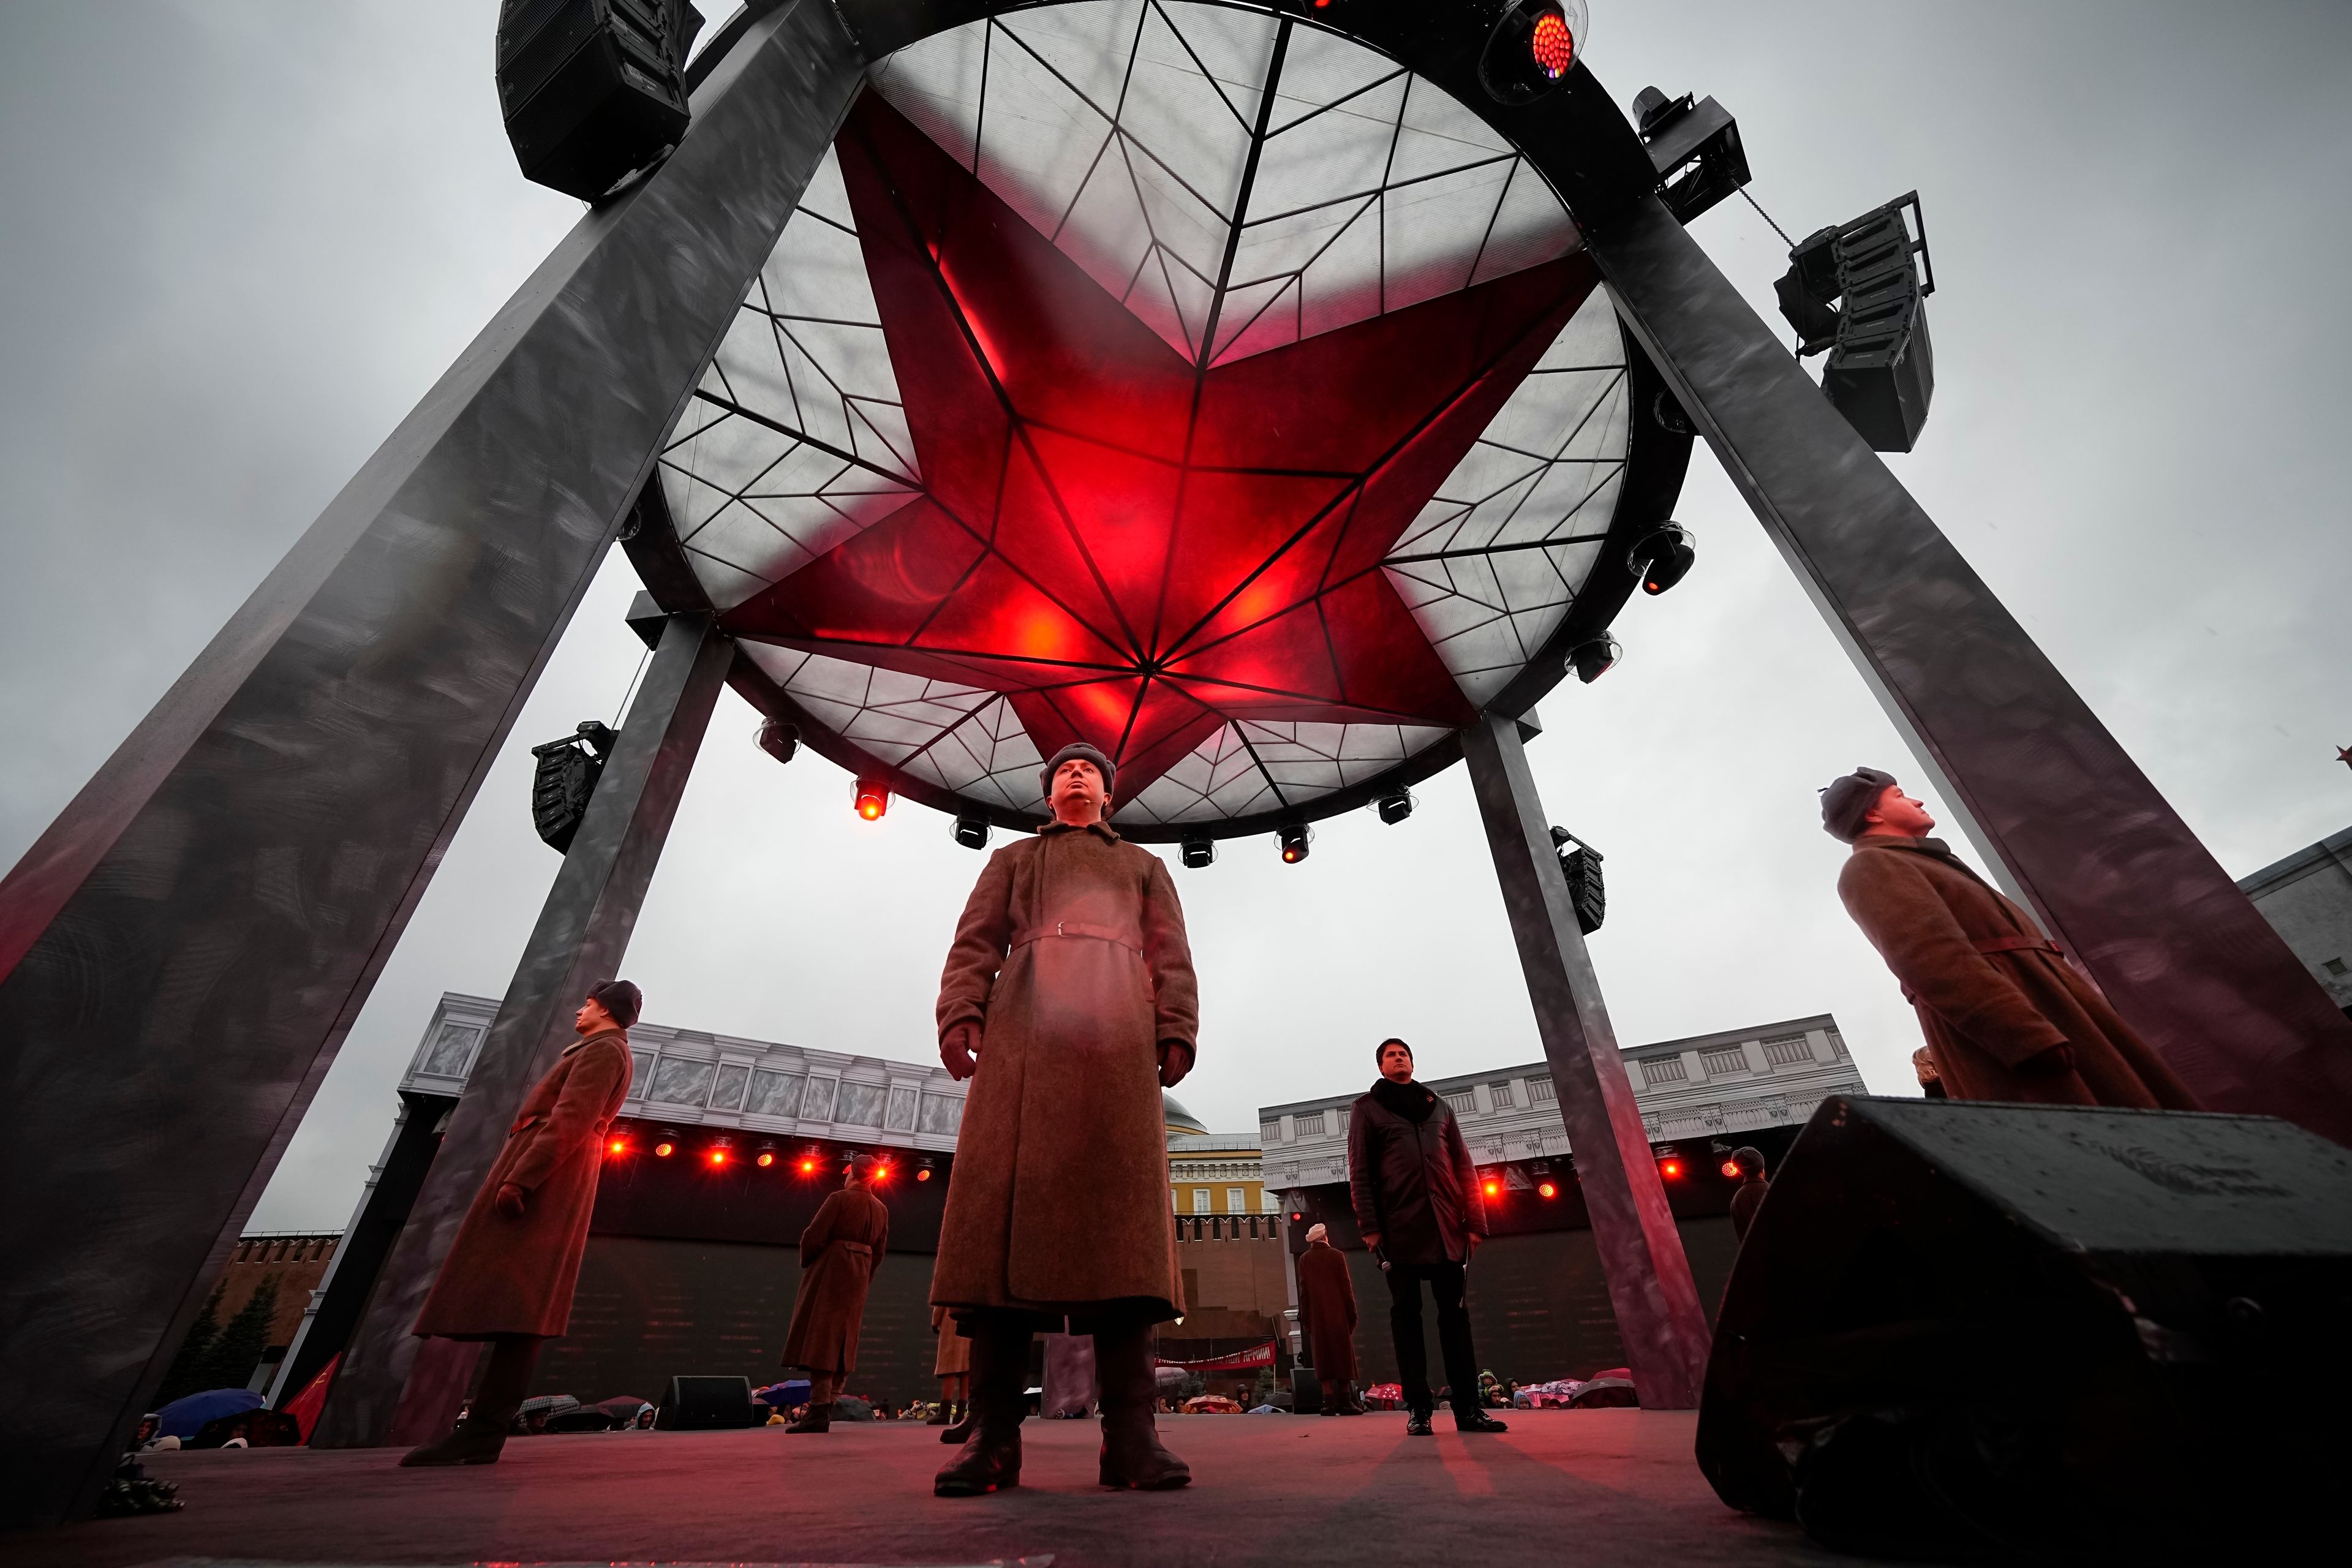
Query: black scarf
[{"x": 1409, "y": 1100}]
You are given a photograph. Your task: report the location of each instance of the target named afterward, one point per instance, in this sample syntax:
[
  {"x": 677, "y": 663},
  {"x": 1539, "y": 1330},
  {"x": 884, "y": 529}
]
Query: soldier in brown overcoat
[
  {"x": 2006, "y": 1017},
  {"x": 840, "y": 1250},
  {"x": 952, "y": 1367},
  {"x": 509, "y": 1275},
  {"x": 1326, "y": 1311},
  {"x": 1071, "y": 980}
]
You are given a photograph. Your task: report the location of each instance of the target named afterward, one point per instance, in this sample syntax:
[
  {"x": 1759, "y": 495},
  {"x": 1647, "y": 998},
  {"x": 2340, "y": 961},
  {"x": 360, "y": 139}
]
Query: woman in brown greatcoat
[
  {"x": 1071, "y": 978},
  {"x": 509, "y": 1275},
  {"x": 839, "y": 1252},
  {"x": 1326, "y": 1310},
  {"x": 2006, "y": 1017}
]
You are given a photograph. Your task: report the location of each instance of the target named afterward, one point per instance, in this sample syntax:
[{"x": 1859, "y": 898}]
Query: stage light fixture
[
  {"x": 1200, "y": 852},
  {"x": 721, "y": 1151},
  {"x": 666, "y": 1144},
  {"x": 1731, "y": 1169},
  {"x": 1493, "y": 1188},
  {"x": 971, "y": 830},
  {"x": 1671, "y": 1168},
  {"x": 778, "y": 739},
  {"x": 1546, "y": 1189},
  {"x": 765, "y": 1157},
  {"x": 1294, "y": 840},
  {"x": 1395, "y": 808},
  {"x": 923, "y": 1170},
  {"x": 873, "y": 798},
  {"x": 1663, "y": 557},
  {"x": 617, "y": 1146},
  {"x": 1594, "y": 658},
  {"x": 1531, "y": 48},
  {"x": 811, "y": 1161}
]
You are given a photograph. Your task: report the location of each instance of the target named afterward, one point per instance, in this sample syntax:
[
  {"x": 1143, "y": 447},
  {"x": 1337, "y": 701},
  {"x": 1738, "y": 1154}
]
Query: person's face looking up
[
  {"x": 1396, "y": 1064},
  {"x": 1079, "y": 793},
  {"x": 1898, "y": 815}
]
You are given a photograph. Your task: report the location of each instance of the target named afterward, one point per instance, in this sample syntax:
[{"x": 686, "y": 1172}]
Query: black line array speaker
[
  {"x": 707, "y": 1404},
  {"x": 593, "y": 91},
  {"x": 2040, "y": 1333}
]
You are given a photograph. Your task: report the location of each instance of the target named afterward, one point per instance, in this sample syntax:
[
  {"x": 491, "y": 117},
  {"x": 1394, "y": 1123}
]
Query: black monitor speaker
[
  {"x": 2050, "y": 1332},
  {"x": 707, "y": 1405}
]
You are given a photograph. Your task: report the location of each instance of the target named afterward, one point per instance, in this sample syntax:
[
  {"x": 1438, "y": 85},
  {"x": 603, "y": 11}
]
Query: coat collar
[
  {"x": 620, "y": 1035},
  {"x": 1935, "y": 846},
  {"x": 1101, "y": 830}
]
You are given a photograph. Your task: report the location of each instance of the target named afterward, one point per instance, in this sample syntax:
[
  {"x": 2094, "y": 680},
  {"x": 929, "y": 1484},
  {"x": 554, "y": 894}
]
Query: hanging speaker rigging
[
  {"x": 564, "y": 780},
  {"x": 593, "y": 91},
  {"x": 1860, "y": 291}
]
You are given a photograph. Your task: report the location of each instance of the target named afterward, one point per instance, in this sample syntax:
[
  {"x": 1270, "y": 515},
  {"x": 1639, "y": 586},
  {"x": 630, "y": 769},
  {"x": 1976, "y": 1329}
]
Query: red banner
[{"x": 1256, "y": 1355}]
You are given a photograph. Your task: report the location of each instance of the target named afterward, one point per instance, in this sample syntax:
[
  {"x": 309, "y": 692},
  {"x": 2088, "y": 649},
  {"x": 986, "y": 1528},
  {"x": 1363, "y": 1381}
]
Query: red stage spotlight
[
  {"x": 1671, "y": 1168},
  {"x": 617, "y": 1146},
  {"x": 1493, "y": 1188},
  {"x": 1548, "y": 1190},
  {"x": 665, "y": 1149},
  {"x": 767, "y": 1158},
  {"x": 1731, "y": 1169},
  {"x": 923, "y": 1172},
  {"x": 718, "y": 1157},
  {"x": 1552, "y": 45},
  {"x": 873, "y": 798}
]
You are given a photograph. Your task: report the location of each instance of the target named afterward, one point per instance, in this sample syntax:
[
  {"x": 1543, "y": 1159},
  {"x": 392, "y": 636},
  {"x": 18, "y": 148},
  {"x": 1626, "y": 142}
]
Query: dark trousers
[{"x": 1452, "y": 1333}]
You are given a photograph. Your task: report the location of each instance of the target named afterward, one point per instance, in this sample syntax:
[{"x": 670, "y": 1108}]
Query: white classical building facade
[{"x": 1709, "y": 1087}]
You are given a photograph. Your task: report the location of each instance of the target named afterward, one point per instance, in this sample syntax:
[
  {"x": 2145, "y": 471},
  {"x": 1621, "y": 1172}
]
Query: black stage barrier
[{"x": 2042, "y": 1333}]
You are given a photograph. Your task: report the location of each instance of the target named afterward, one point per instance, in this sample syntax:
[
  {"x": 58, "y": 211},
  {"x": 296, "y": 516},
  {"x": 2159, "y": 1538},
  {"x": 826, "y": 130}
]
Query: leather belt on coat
[
  {"x": 1081, "y": 927},
  {"x": 2019, "y": 944}
]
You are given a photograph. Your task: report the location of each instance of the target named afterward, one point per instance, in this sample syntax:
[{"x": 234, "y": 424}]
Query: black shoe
[
  {"x": 817, "y": 1418},
  {"x": 1418, "y": 1426},
  {"x": 1477, "y": 1421},
  {"x": 472, "y": 1443}
]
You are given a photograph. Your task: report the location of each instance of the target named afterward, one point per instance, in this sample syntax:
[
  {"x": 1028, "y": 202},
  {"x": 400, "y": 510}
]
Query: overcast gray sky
[{"x": 243, "y": 238}]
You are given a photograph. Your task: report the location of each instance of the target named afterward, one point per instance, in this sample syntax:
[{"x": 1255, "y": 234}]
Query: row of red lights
[
  {"x": 721, "y": 1155},
  {"x": 1670, "y": 1166}
]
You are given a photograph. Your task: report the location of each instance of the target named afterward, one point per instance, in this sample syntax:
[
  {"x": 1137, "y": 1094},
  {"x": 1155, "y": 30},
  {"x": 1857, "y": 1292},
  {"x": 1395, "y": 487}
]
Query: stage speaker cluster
[
  {"x": 2040, "y": 1333},
  {"x": 1860, "y": 290},
  {"x": 593, "y": 91},
  {"x": 707, "y": 1405}
]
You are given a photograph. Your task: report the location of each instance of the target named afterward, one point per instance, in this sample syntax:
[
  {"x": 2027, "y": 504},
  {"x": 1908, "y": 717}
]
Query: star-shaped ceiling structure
[
  {"x": 1136, "y": 548},
  {"x": 1161, "y": 374}
]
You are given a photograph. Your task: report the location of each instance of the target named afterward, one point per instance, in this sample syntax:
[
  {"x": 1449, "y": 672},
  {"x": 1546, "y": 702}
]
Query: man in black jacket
[{"x": 1418, "y": 1208}]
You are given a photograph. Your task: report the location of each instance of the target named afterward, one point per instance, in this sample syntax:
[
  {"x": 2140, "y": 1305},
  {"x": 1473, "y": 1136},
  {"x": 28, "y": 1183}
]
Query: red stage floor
[{"x": 1600, "y": 1487}]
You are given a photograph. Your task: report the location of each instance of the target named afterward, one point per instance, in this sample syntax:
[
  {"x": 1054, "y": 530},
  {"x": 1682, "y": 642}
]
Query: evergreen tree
[
  {"x": 229, "y": 1362},
  {"x": 186, "y": 1367}
]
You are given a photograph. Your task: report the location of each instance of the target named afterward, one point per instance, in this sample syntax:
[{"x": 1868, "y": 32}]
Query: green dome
[{"x": 1180, "y": 1120}]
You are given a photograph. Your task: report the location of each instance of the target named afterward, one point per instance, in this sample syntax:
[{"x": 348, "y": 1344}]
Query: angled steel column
[
  {"x": 2069, "y": 824},
  {"x": 385, "y": 1390},
  {"x": 1649, "y": 1285},
  {"x": 182, "y": 951}
]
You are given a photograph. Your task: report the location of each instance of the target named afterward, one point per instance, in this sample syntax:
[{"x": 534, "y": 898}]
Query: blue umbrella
[{"x": 184, "y": 1418}]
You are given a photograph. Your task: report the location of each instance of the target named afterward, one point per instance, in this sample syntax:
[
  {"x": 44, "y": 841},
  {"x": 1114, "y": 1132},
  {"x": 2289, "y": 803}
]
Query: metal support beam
[
  {"x": 385, "y": 1390},
  {"x": 2068, "y": 823},
  {"x": 1650, "y": 1286},
  {"x": 184, "y": 951}
]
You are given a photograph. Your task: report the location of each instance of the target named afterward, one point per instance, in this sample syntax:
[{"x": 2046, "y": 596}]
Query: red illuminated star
[{"x": 1135, "y": 549}]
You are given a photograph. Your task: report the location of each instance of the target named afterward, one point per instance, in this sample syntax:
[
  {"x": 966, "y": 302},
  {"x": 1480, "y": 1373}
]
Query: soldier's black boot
[
  {"x": 960, "y": 1429},
  {"x": 817, "y": 1418},
  {"x": 474, "y": 1441},
  {"x": 1132, "y": 1457},
  {"x": 991, "y": 1460}
]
